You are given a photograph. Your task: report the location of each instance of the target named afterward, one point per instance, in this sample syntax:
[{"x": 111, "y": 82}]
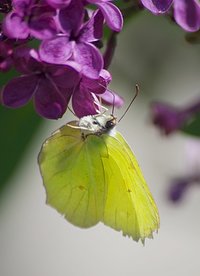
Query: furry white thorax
[{"x": 97, "y": 124}]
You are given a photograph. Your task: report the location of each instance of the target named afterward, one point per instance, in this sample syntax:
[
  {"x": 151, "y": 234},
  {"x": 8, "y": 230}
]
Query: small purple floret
[
  {"x": 157, "y": 6},
  {"x": 186, "y": 12},
  {"x": 75, "y": 44},
  {"x": 30, "y": 19},
  {"x": 178, "y": 189},
  {"x": 167, "y": 118},
  {"x": 42, "y": 82}
]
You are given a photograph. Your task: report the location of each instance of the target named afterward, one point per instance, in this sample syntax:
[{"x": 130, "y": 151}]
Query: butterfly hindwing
[
  {"x": 73, "y": 175},
  {"x": 129, "y": 204}
]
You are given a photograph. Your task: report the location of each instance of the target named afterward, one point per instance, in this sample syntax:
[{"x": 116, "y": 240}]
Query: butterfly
[{"x": 91, "y": 175}]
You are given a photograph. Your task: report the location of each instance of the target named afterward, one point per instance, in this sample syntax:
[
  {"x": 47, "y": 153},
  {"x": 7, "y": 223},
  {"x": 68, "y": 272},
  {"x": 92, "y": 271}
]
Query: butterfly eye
[
  {"x": 95, "y": 123},
  {"x": 110, "y": 124}
]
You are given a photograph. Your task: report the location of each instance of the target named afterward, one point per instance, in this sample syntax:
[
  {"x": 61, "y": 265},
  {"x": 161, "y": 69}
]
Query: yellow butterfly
[{"x": 91, "y": 175}]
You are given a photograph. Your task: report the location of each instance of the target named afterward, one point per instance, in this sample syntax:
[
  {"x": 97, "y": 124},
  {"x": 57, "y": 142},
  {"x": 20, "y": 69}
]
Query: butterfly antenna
[{"x": 137, "y": 90}]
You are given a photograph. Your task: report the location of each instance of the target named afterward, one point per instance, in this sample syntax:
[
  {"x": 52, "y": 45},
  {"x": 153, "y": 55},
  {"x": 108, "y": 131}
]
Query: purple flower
[
  {"x": 50, "y": 86},
  {"x": 157, "y": 6},
  {"x": 68, "y": 65},
  {"x": 29, "y": 18},
  {"x": 85, "y": 99},
  {"x": 180, "y": 185},
  {"x": 178, "y": 188},
  {"x": 111, "y": 13},
  {"x": 76, "y": 41},
  {"x": 169, "y": 118},
  {"x": 186, "y": 12},
  {"x": 58, "y": 4}
]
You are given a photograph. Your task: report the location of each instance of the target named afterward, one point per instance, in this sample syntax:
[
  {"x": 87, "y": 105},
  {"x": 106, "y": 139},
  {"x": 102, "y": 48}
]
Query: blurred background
[{"x": 35, "y": 240}]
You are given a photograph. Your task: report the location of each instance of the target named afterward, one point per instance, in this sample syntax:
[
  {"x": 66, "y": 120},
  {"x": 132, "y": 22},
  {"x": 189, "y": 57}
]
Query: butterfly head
[{"x": 97, "y": 124}]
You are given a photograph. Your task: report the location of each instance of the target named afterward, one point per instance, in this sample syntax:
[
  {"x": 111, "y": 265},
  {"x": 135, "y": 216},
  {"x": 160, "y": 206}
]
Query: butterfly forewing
[{"x": 73, "y": 175}]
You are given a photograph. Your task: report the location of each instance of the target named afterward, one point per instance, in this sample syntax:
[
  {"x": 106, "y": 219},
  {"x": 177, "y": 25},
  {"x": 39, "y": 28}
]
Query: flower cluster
[
  {"x": 169, "y": 118},
  {"x": 66, "y": 63},
  {"x": 185, "y": 12},
  {"x": 181, "y": 185}
]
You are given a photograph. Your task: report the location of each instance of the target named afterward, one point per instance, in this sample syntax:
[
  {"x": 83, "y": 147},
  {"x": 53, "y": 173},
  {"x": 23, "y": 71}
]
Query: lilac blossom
[
  {"x": 76, "y": 41},
  {"x": 111, "y": 13},
  {"x": 49, "y": 86},
  {"x": 52, "y": 87},
  {"x": 167, "y": 117},
  {"x": 85, "y": 99},
  {"x": 178, "y": 188},
  {"x": 68, "y": 65},
  {"x": 157, "y": 6},
  {"x": 170, "y": 119},
  {"x": 181, "y": 185},
  {"x": 58, "y": 4},
  {"x": 29, "y": 18},
  {"x": 186, "y": 12}
]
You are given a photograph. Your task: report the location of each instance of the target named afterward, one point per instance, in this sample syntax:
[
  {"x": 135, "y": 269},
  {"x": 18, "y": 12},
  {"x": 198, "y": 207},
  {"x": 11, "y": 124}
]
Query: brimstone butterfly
[{"x": 91, "y": 175}]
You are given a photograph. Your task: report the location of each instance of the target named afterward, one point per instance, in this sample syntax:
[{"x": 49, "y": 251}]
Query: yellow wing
[
  {"x": 129, "y": 204},
  {"x": 97, "y": 179},
  {"x": 73, "y": 175}
]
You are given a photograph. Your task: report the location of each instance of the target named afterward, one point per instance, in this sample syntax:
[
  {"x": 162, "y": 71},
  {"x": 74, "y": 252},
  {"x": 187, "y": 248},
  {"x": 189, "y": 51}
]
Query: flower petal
[
  {"x": 43, "y": 27},
  {"x": 168, "y": 118},
  {"x": 25, "y": 62},
  {"x": 58, "y": 4},
  {"x": 56, "y": 50},
  {"x": 187, "y": 14},
  {"x": 112, "y": 15},
  {"x": 98, "y": 86},
  {"x": 110, "y": 98},
  {"x": 22, "y": 6},
  {"x": 83, "y": 102},
  {"x": 89, "y": 57},
  {"x": 92, "y": 30},
  {"x": 65, "y": 76},
  {"x": 49, "y": 101},
  {"x": 178, "y": 188},
  {"x": 15, "y": 27},
  {"x": 71, "y": 24},
  {"x": 157, "y": 6},
  {"x": 19, "y": 91}
]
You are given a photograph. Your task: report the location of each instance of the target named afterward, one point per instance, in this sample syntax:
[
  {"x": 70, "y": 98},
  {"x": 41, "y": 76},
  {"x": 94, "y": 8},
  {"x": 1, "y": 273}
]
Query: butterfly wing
[
  {"x": 129, "y": 204},
  {"x": 73, "y": 175}
]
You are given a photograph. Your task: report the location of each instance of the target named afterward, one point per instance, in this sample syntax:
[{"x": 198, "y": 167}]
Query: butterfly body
[
  {"x": 96, "y": 124},
  {"x": 91, "y": 175}
]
